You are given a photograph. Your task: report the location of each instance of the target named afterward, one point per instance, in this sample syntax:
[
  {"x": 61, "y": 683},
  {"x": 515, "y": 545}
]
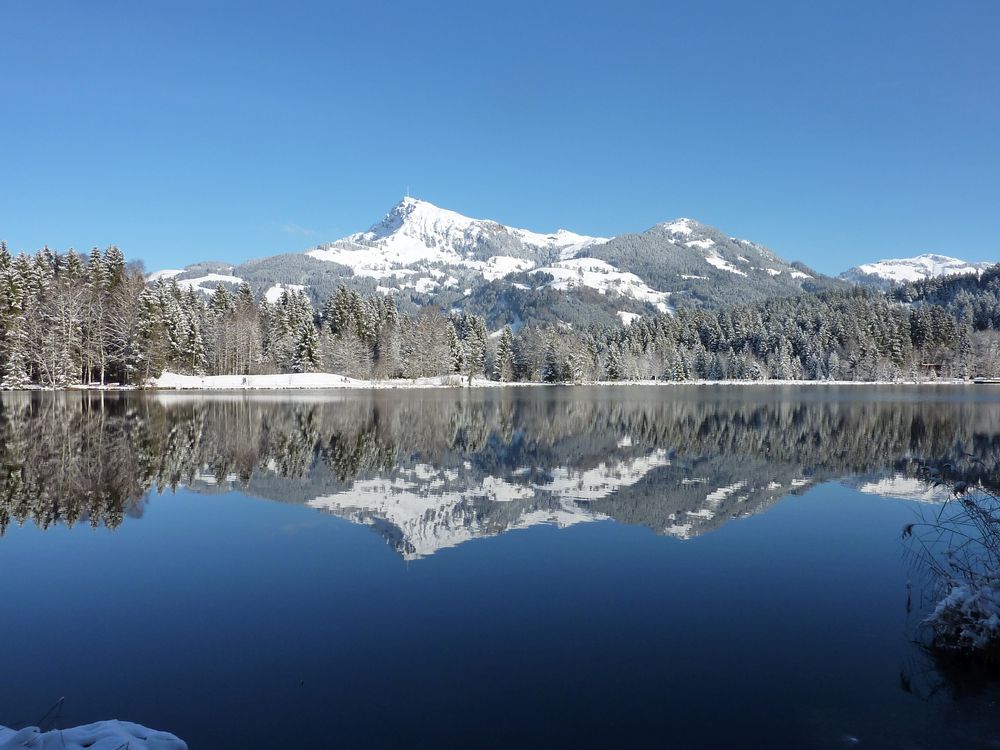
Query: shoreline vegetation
[
  {"x": 170, "y": 381},
  {"x": 959, "y": 545}
]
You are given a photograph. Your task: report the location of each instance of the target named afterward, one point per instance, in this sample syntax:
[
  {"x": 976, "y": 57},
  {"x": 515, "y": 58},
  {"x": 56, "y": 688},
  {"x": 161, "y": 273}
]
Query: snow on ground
[
  {"x": 235, "y": 382},
  {"x": 969, "y": 614},
  {"x": 208, "y": 282},
  {"x": 602, "y": 276},
  {"x": 773, "y": 271},
  {"x": 309, "y": 380},
  {"x": 166, "y": 273},
  {"x": 319, "y": 380},
  {"x": 102, "y": 735},
  {"x": 800, "y": 275},
  {"x": 628, "y": 318},
  {"x": 273, "y": 294}
]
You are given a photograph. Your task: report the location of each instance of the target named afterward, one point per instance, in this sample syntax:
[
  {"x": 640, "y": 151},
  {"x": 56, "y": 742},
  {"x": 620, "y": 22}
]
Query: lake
[{"x": 683, "y": 566}]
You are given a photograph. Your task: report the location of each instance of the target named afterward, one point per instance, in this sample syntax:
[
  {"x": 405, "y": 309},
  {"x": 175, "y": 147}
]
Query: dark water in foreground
[{"x": 540, "y": 567}]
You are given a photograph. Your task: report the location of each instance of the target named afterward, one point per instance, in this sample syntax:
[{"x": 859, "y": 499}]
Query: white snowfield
[
  {"x": 102, "y": 735},
  {"x": 273, "y": 294},
  {"x": 166, "y": 273},
  {"x": 208, "y": 283},
  {"x": 926, "y": 266},
  {"x": 604, "y": 278}
]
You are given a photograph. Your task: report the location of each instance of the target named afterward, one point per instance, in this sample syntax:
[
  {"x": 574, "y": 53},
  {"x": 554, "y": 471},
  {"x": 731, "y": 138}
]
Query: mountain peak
[
  {"x": 417, "y": 218},
  {"x": 681, "y": 226}
]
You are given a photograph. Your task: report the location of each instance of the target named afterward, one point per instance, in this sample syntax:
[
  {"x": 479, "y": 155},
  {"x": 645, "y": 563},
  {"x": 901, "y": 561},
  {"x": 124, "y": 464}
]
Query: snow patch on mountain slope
[
  {"x": 208, "y": 282},
  {"x": 714, "y": 259},
  {"x": 166, "y": 273},
  {"x": 926, "y": 266},
  {"x": 502, "y": 265},
  {"x": 273, "y": 294},
  {"x": 700, "y": 244},
  {"x": 605, "y": 278}
]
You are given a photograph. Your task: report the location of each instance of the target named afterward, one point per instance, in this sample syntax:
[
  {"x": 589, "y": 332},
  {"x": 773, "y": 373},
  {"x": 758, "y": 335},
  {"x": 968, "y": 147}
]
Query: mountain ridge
[
  {"x": 423, "y": 254},
  {"x": 426, "y": 255},
  {"x": 889, "y": 271}
]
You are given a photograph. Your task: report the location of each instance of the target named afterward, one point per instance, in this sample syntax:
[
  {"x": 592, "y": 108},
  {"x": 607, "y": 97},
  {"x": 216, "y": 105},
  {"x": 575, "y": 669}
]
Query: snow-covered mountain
[
  {"x": 416, "y": 236},
  {"x": 903, "y": 270},
  {"x": 423, "y": 254}
]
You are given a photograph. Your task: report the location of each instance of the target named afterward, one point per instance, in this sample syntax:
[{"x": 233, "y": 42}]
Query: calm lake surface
[{"x": 527, "y": 567}]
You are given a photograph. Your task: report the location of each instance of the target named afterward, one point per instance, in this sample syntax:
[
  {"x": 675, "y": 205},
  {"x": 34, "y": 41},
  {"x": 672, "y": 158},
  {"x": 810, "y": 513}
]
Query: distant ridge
[{"x": 902, "y": 270}]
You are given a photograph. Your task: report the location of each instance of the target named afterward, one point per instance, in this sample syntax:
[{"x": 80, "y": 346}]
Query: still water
[{"x": 534, "y": 567}]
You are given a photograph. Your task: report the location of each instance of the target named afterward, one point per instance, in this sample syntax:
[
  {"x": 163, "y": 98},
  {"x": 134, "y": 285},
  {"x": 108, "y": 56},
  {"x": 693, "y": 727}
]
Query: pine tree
[
  {"x": 307, "y": 348},
  {"x": 615, "y": 366},
  {"x": 456, "y": 352},
  {"x": 503, "y": 363}
]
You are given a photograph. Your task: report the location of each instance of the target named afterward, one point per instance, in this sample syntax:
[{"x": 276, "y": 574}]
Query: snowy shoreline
[
  {"x": 329, "y": 381},
  {"x": 170, "y": 381}
]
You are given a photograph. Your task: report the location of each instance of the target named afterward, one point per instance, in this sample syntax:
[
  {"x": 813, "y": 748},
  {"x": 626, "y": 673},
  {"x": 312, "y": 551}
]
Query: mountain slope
[
  {"x": 698, "y": 264},
  {"x": 884, "y": 273},
  {"x": 423, "y": 254}
]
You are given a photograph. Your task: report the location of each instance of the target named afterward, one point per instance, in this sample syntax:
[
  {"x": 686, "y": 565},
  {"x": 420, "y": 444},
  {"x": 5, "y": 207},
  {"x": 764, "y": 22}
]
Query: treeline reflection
[{"x": 429, "y": 469}]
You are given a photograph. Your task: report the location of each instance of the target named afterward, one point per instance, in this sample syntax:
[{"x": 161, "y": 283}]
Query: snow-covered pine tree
[
  {"x": 456, "y": 352},
  {"x": 503, "y": 361}
]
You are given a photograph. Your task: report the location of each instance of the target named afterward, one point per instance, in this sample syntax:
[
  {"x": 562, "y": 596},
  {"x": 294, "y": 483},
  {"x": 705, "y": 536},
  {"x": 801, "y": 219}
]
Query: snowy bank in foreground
[
  {"x": 968, "y": 618},
  {"x": 102, "y": 735}
]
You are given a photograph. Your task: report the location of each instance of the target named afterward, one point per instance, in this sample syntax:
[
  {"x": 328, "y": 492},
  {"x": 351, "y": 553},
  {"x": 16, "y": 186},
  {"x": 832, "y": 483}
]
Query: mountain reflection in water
[{"x": 432, "y": 469}]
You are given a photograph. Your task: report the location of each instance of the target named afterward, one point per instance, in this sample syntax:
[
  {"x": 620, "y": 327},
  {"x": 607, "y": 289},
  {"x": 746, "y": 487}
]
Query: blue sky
[{"x": 834, "y": 133}]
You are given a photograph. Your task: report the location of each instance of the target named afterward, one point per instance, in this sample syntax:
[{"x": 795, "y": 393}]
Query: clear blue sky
[{"x": 833, "y": 132}]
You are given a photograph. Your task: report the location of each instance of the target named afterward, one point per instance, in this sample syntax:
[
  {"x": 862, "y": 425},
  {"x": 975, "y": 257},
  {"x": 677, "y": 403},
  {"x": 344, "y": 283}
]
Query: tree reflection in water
[{"x": 430, "y": 469}]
